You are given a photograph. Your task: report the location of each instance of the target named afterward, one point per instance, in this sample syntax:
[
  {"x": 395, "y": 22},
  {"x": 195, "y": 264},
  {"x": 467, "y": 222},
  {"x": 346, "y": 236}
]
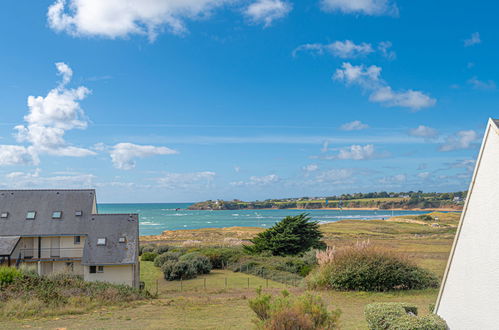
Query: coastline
[{"x": 442, "y": 209}]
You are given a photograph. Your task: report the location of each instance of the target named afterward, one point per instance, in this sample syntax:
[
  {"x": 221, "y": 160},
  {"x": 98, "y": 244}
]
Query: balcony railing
[{"x": 50, "y": 253}]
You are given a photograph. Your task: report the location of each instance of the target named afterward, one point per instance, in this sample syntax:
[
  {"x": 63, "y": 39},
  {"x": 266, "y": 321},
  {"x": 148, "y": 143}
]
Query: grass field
[{"x": 221, "y": 306}]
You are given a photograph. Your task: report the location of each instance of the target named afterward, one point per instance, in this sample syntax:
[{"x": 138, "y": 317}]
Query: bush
[
  {"x": 162, "y": 249},
  {"x": 146, "y": 248},
  {"x": 221, "y": 257},
  {"x": 200, "y": 262},
  {"x": 381, "y": 316},
  {"x": 290, "y": 236},
  {"x": 179, "y": 270},
  {"x": 366, "y": 268},
  {"x": 164, "y": 257},
  {"x": 275, "y": 268},
  {"x": 148, "y": 256},
  {"x": 8, "y": 275},
  {"x": 287, "y": 312}
]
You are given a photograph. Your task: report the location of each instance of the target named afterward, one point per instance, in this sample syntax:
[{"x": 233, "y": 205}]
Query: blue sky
[{"x": 186, "y": 100}]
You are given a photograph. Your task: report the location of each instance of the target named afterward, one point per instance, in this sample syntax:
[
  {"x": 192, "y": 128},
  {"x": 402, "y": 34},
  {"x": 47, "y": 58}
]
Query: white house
[
  {"x": 61, "y": 230},
  {"x": 469, "y": 294}
]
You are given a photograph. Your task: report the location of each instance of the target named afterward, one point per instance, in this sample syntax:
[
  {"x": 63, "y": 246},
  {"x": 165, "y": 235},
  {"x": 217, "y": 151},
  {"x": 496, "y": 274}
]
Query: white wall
[
  {"x": 122, "y": 274},
  {"x": 470, "y": 295}
]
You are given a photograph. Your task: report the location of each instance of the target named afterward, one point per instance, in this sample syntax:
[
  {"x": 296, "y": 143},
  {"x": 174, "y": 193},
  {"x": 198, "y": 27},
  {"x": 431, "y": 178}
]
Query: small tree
[{"x": 290, "y": 236}]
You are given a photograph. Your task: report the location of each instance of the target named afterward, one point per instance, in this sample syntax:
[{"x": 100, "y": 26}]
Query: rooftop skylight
[{"x": 31, "y": 215}]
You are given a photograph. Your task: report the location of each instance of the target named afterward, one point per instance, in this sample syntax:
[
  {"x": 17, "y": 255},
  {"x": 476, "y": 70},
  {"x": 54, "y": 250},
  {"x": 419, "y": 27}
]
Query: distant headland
[{"x": 411, "y": 200}]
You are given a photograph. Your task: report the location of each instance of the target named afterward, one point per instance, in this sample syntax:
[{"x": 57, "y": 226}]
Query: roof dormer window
[
  {"x": 57, "y": 215},
  {"x": 31, "y": 215},
  {"x": 4, "y": 215},
  {"x": 78, "y": 213},
  {"x": 122, "y": 240},
  {"x": 101, "y": 241}
]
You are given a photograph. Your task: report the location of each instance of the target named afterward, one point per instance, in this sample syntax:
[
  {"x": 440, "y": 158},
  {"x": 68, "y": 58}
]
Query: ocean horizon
[{"x": 154, "y": 218}]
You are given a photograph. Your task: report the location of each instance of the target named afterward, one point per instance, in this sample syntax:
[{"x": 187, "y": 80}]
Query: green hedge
[
  {"x": 148, "y": 256},
  {"x": 400, "y": 316}
]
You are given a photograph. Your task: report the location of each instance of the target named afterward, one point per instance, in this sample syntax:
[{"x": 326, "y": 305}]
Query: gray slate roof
[
  {"x": 111, "y": 226},
  {"x": 8, "y": 244}
]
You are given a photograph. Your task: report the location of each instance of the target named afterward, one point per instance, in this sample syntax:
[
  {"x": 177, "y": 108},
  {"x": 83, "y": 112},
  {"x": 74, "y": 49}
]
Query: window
[
  {"x": 4, "y": 215},
  {"x": 93, "y": 269},
  {"x": 77, "y": 240},
  {"x": 70, "y": 266},
  {"x": 31, "y": 215},
  {"x": 101, "y": 241},
  {"x": 100, "y": 269},
  {"x": 122, "y": 240},
  {"x": 78, "y": 213},
  {"x": 56, "y": 214}
]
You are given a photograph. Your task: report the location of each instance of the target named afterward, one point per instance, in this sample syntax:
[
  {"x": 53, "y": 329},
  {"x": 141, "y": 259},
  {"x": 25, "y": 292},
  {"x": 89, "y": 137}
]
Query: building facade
[
  {"x": 469, "y": 294},
  {"x": 61, "y": 230}
]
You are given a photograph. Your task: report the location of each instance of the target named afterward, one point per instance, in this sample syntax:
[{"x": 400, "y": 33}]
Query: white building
[
  {"x": 61, "y": 230},
  {"x": 469, "y": 295}
]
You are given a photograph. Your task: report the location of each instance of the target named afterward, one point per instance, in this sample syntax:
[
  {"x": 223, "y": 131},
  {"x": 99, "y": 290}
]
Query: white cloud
[
  {"x": 335, "y": 176},
  {"x": 186, "y": 180},
  {"x": 356, "y": 152},
  {"x": 237, "y": 169},
  {"x": 479, "y": 84},
  {"x": 47, "y": 121},
  {"x": 119, "y": 18},
  {"x": 16, "y": 155},
  {"x": 30, "y": 180},
  {"x": 467, "y": 164},
  {"x": 258, "y": 181},
  {"x": 474, "y": 39},
  {"x": 341, "y": 49},
  {"x": 369, "y": 79},
  {"x": 310, "y": 168},
  {"x": 393, "y": 180},
  {"x": 325, "y": 146},
  {"x": 424, "y": 132},
  {"x": 384, "y": 49},
  {"x": 267, "y": 11},
  {"x": 355, "y": 125},
  {"x": 123, "y": 154},
  {"x": 366, "y": 7},
  {"x": 424, "y": 175},
  {"x": 461, "y": 140}
]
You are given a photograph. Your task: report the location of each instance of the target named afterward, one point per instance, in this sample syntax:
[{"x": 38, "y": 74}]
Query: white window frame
[
  {"x": 4, "y": 215},
  {"x": 54, "y": 216},
  {"x": 100, "y": 269},
  {"x": 31, "y": 218},
  {"x": 101, "y": 241}
]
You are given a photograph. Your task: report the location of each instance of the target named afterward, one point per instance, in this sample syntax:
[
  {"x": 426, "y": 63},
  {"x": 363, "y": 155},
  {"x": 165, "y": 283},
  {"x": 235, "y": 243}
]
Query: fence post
[
  {"x": 267, "y": 282},
  {"x": 248, "y": 282},
  {"x": 181, "y": 285},
  {"x": 157, "y": 286},
  {"x": 226, "y": 282},
  {"x": 205, "y": 283}
]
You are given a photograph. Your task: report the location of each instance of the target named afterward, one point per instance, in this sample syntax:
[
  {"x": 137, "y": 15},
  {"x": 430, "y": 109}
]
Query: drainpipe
[{"x": 39, "y": 247}]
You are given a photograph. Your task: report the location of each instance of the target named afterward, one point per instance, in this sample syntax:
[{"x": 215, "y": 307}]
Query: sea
[{"x": 156, "y": 218}]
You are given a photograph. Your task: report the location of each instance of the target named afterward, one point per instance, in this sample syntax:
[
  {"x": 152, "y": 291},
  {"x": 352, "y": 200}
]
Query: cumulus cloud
[
  {"x": 366, "y": 7},
  {"x": 424, "y": 175},
  {"x": 117, "y": 19},
  {"x": 123, "y": 155},
  {"x": 474, "y": 39},
  {"x": 17, "y": 155},
  {"x": 186, "y": 180},
  {"x": 369, "y": 79},
  {"x": 267, "y": 11},
  {"x": 47, "y": 121},
  {"x": 311, "y": 168},
  {"x": 461, "y": 140},
  {"x": 480, "y": 84},
  {"x": 355, "y": 152},
  {"x": 384, "y": 49},
  {"x": 355, "y": 125},
  {"x": 424, "y": 132}
]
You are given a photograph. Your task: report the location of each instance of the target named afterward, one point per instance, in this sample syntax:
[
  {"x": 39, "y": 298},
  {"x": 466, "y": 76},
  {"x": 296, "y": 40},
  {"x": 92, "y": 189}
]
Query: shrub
[
  {"x": 162, "y": 249},
  {"x": 288, "y": 312},
  {"x": 381, "y": 316},
  {"x": 367, "y": 268},
  {"x": 200, "y": 262},
  {"x": 310, "y": 257},
  {"x": 8, "y": 275},
  {"x": 268, "y": 267},
  {"x": 164, "y": 257},
  {"x": 290, "y": 236},
  {"x": 221, "y": 257},
  {"x": 146, "y": 248},
  {"x": 148, "y": 256},
  {"x": 178, "y": 270}
]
